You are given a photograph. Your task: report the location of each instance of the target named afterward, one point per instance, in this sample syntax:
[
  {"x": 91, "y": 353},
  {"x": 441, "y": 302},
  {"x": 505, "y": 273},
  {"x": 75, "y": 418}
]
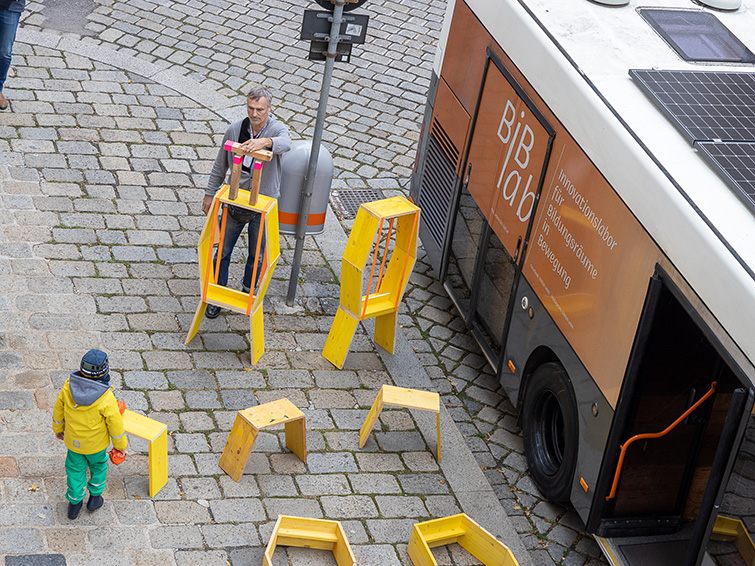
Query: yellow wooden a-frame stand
[
  {"x": 401, "y": 397},
  {"x": 462, "y": 530},
  {"x": 382, "y": 304},
  {"x": 212, "y": 293},
  {"x": 310, "y": 533}
]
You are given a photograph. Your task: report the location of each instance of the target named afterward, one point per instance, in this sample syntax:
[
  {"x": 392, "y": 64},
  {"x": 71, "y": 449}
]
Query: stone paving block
[
  {"x": 200, "y": 488},
  {"x": 331, "y": 484},
  {"x": 390, "y": 531},
  {"x": 176, "y": 537},
  {"x": 237, "y": 510},
  {"x": 401, "y": 506},
  {"x": 181, "y": 512}
]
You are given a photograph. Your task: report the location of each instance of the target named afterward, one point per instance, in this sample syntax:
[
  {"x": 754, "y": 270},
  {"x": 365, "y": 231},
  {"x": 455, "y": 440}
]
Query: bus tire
[{"x": 551, "y": 431}]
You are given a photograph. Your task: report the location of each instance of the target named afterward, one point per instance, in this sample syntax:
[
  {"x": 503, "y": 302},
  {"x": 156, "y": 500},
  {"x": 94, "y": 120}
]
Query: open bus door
[
  {"x": 494, "y": 207},
  {"x": 680, "y": 420}
]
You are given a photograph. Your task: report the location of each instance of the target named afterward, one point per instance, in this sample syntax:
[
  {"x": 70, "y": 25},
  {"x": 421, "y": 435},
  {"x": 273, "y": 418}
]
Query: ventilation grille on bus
[
  {"x": 437, "y": 187},
  {"x": 445, "y": 143}
]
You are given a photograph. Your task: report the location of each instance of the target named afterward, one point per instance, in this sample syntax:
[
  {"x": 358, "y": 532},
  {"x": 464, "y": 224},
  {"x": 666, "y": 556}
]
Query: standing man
[
  {"x": 260, "y": 130},
  {"x": 10, "y": 13}
]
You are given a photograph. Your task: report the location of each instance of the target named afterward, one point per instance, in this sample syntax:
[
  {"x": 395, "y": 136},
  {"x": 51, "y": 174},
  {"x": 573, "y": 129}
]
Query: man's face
[{"x": 258, "y": 111}]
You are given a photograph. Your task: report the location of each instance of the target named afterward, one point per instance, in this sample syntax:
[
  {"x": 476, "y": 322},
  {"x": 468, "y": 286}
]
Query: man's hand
[
  {"x": 206, "y": 204},
  {"x": 60, "y": 435},
  {"x": 257, "y": 144}
]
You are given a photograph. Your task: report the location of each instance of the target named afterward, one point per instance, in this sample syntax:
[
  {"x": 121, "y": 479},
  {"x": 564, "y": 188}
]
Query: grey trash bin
[{"x": 294, "y": 165}]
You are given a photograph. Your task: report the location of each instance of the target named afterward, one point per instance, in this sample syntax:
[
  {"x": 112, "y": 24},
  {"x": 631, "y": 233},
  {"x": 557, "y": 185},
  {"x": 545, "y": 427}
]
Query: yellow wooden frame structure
[
  {"x": 462, "y": 530},
  {"x": 728, "y": 529},
  {"x": 247, "y": 426},
  {"x": 310, "y": 533},
  {"x": 156, "y": 435},
  {"x": 238, "y": 301},
  {"x": 382, "y": 304},
  {"x": 401, "y": 397}
]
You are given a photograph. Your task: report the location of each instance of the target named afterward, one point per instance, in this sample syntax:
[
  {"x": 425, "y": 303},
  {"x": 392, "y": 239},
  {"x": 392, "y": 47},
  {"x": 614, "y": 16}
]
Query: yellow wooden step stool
[
  {"x": 310, "y": 533},
  {"x": 156, "y": 434},
  {"x": 358, "y": 303},
  {"x": 401, "y": 397},
  {"x": 247, "y": 426},
  {"x": 734, "y": 530},
  {"x": 232, "y": 299},
  {"x": 462, "y": 530}
]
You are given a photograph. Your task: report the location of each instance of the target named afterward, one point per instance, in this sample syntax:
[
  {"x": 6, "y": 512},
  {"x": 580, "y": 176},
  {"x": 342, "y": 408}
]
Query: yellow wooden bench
[
  {"x": 310, "y": 533},
  {"x": 734, "y": 530},
  {"x": 462, "y": 530},
  {"x": 401, "y": 397},
  {"x": 156, "y": 434},
  {"x": 247, "y": 426}
]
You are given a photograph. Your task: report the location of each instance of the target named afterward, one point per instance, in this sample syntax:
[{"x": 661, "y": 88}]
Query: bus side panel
[
  {"x": 533, "y": 332},
  {"x": 589, "y": 262},
  {"x": 588, "y": 258}
]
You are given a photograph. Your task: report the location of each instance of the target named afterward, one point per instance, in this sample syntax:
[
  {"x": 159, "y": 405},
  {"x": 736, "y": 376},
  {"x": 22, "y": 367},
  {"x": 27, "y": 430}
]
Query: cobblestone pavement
[{"x": 112, "y": 133}]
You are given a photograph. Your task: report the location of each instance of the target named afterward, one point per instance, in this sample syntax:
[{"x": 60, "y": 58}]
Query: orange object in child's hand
[
  {"x": 117, "y": 457},
  {"x": 121, "y": 406}
]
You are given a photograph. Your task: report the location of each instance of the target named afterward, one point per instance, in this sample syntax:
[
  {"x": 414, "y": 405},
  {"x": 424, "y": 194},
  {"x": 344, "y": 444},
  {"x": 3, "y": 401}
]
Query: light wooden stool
[
  {"x": 401, "y": 397},
  {"x": 156, "y": 434},
  {"x": 310, "y": 533},
  {"x": 247, "y": 426},
  {"x": 462, "y": 530}
]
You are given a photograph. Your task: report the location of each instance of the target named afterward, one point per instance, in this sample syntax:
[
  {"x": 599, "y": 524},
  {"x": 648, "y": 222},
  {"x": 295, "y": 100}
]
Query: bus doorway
[
  {"x": 494, "y": 207},
  {"x": 683, "y": 410}
]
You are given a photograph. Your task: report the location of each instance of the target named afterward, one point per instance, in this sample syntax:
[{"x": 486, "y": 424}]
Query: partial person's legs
[
  {"x": 8, "y": 27},
  {"x": 76, "y": 478},
  {"x": 98, "y": 473},
  {"x": 233, "y": 230},
  {"x": 254, "y": 228}
]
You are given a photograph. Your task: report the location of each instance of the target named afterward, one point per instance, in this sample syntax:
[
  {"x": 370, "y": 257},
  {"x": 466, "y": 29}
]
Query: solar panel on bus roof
[
  {"x": 735, "y": 162},
  {"x": 704, "y": 105}
]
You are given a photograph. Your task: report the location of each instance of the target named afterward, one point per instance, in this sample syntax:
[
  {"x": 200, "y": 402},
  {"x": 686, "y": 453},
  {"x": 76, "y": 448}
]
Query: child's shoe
[
  {"x": 95, "y": 502},
  {"x": 73, "y": 510}
]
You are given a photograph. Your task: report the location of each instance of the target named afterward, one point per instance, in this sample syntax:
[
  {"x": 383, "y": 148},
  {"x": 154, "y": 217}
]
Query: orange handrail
[{"x": 648, "y": 435}]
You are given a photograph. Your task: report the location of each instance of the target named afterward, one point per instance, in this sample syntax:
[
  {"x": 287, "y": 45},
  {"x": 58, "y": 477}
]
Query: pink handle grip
[
  {"x": 229, "y": 145},
  {"x": 258, "y": 165},
  {"x": 238, "y": 158}
]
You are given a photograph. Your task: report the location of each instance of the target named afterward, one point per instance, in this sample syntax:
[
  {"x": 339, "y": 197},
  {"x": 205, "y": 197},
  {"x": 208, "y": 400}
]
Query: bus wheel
[{"x": 549, "y": 420}]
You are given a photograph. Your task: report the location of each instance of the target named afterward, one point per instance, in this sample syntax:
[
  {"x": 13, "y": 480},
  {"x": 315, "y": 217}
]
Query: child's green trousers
[{"x": 76, "y": 470}]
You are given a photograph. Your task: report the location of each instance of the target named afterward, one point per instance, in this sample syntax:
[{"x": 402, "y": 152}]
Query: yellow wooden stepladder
[
  {"x": 382, "y": 303},
  {"x": 303, "y": 532},
  {"x": 212, "y": 293},
  {"x": 247, "y": 426},
  {"x": 156, "y": 435},
  {"x": 462, "y": 530},
  {"x": 401, "y": 397}
]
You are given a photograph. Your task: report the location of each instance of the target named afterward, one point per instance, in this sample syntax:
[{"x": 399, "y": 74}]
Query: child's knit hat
[{"x": 94, "y": 364}]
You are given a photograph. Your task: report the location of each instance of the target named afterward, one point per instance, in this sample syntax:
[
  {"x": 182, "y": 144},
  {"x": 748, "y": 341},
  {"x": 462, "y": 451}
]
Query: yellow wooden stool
[
  {"x": 401, "y": 397},
  {"x": 382, "y": 303},
  {"x": 248, "y": 424},
  {"x": 734, "y": 530},
  {"x": 212, "y": 293},
  {"x": 156, "y": 434},
  {"x": 310, "y": 533},
  {"x": 462, "y": 530}
]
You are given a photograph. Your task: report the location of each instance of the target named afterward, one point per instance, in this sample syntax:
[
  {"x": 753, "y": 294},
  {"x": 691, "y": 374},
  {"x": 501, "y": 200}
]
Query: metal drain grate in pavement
[{"x": 346, "y": 202}]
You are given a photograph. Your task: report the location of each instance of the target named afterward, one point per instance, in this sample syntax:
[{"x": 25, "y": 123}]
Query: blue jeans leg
[
  {"x": 233, "y": 230},
  {"x": 8, "y": 27},
  {"x": 254, "y": 228}
]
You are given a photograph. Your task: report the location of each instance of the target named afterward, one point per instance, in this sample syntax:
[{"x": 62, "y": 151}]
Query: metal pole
[{"x": 306, "y": 197}]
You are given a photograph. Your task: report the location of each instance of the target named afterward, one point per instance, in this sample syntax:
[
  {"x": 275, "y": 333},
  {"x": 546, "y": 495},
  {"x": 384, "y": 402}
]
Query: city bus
[{"x": 586, "y": 175}]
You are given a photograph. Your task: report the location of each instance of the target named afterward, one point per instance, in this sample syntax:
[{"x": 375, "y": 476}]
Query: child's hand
[{"x": 60, "y": 435}]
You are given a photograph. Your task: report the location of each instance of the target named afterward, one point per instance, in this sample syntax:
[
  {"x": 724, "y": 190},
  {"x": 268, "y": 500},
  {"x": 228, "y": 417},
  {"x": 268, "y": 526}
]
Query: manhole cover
[{"x": 346, "y": 202}]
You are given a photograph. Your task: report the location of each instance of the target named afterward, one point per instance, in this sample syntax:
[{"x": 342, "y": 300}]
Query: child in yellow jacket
[{"x": 87, "y": 418}]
